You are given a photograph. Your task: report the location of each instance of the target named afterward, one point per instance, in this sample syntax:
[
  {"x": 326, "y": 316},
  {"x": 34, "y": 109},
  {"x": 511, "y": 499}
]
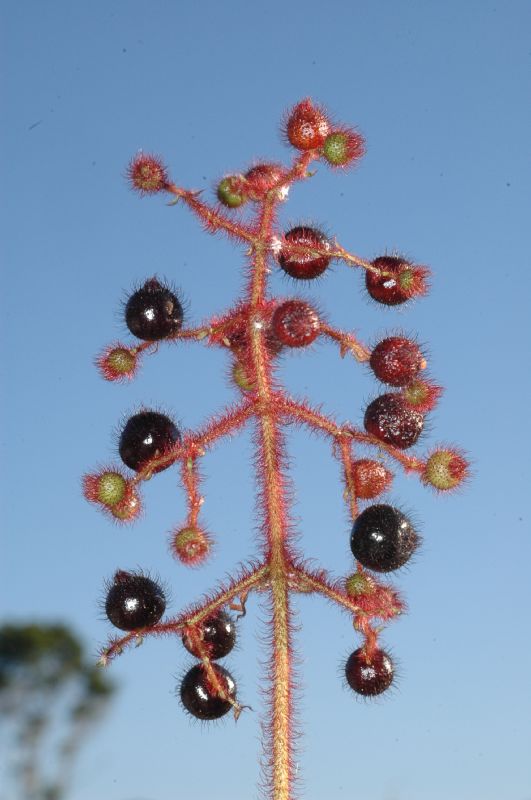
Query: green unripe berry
[
  {"x": 111, "y": 488},
  {"x": 121, "y": 361},
  {"x": 359, "y": 583},
  {"x": 229, "y": 191}
]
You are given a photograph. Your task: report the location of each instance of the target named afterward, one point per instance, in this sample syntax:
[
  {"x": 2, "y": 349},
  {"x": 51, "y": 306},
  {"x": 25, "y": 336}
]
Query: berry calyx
[
  {"x": 146, "y": 436},
  {"x": 204, "y": 700},
  {"x": 261, "y": 179},
  {"x": 399, "y": 282},
  {"x": 230, "y": 191},
  {"x": 134, "y": 601},
  {"x": 371, "y": 478},
  {"x": 117, "y": 363},
  {"x": 216, "y": 634},
  {"x": 306, "y": 126},
  {"x": 383, "y": 538},
  {"x": 304, "y": 265},
  {"x": 153, "y": 312},
  {"x": 397, "y": 360},
  {"x": 295, "y": 323},
  {"x": 445, "y": 470},
  {"x": 147, "y": 174},
  {"x": 342, "y": 148},
  {"x": 421, "y": 395},
  {"x": 369, "y": 676},
  {"x": 390, "y": 419},
  {"x": 190, "y": 545}
]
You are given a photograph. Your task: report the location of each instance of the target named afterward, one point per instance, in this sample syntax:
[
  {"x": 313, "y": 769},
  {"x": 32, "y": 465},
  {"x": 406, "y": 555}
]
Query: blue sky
[{"x": 441, "y": 93}]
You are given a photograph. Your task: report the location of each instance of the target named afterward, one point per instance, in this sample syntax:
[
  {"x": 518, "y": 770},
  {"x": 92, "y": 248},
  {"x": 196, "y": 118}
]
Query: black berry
[
  {"x": 153, "y": 312},
  {"x": 218, "y": 636},
  {"x": 145, "y": 436},
  {"x": 393, "y": 421},
  {"x": 134, "y": 601},
  {"x": 369, "y": 677},
  {"x": 200, "y": 698},
  {"x": 383, "y": 539}
]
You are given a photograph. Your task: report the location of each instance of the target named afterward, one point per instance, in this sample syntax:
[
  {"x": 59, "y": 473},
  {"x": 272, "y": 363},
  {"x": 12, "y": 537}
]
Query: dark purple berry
[
  {"x": 145, "y": 436},
  {"x": 134, "y": 601},
  {"x": 390, "y": 419},
  {"x": 153, "y": 312},
  {"x": 200, "y": 698},
  {"x": 218, "y": 636},
  {"x": 369, "y": 677},
  {"x": 383, "y": 539}
]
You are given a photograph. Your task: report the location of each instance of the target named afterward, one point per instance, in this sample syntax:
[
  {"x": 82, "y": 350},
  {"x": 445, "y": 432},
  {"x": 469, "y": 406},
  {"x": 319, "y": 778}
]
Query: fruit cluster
[{"x": 255, "y": 333}]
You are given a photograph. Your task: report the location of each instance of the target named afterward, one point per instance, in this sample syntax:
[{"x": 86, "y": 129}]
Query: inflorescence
[{"x": 253, "y": 333}]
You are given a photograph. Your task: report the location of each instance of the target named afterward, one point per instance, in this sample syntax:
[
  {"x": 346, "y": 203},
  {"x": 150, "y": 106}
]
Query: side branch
[
  {"x": 347, "y": 343},
  {"x": 213, "y": 219}
]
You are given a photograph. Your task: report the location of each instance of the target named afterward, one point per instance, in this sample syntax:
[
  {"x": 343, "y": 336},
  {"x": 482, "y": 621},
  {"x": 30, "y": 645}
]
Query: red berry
[
  {"x": 146, "y": 436},
  {"x": 134, "y": 601},
  {"x": 342, "y": 147},
  {"x": 392, "y": 421},
  {"x": 203, "y": 700},
  {"x": 383, "y": 538},
  {"x": 304, "y": 265},
  {"x": 306, "y": 126},
  {"x": 295, "y": 323},
  {"x": 371, "y": 478},
  {"x": 147, "y": 174},
  {"x": 369, "y": 676},
  {"x": 261, "y": 179},
  {"x": 217, "y": 635},
  {"x": 397, "y": 360},
  {"x": 401, "y": 282}
]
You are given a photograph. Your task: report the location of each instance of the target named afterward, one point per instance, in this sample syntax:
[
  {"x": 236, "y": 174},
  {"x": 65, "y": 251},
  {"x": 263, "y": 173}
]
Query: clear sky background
[{"x": 441, "y": 92}]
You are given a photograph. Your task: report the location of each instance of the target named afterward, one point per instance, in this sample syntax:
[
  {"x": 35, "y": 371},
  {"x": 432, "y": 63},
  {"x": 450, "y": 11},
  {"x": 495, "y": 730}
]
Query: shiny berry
[
  {"x": 201, "y": 698},
  {"x": 230, "y": 191},
  {"x": 306, "y": 126},
  {"x": 134, "y": 601},
  {"x": 153, "y": 312},
  {"x": 371, "y": 478},
  {"x": 383, "y": 539},
  {"x": 295, "y": 323},
  {"x": 397, "y": 360},
  {"x": 217, "y": 635},
  {"x": 342, "y": 148},
  {"x": 146, "y": 436},
  {"x": 390, "y": 419},
  {"x": 304, "y": 265},
  {"x": 369, "y": 676},
  {"x": 400, "y": 283}
]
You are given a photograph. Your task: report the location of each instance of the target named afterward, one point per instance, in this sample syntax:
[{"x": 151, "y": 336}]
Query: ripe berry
[
  {"x": 147, "y": 174},
  {"x": 217, "y": 634},
  {"x": 397, "y": 360},
  {"x": 146, "y": 436},
  {"x": 134, "y": 601},
  {"x": 261, "y": 179},
  {"x": 445, "y": 469},
  {"x": 383, "y": 539},
  {"x": 295, "y": 323},
  {"x": 402, "y": 281},
  {"x": 200, "y": 698},
  {"x": 304, "y": 265},
  {"x": 307, "y": 126},
  {"x": 153, "y": 312},
  {"x": 371, "y": 478},
  {"x": 369, "y": 676},
  {"x": 230, "y": 191},
  {"x": 342, "y": 148},
  {"x": 390, "y": 419}
]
